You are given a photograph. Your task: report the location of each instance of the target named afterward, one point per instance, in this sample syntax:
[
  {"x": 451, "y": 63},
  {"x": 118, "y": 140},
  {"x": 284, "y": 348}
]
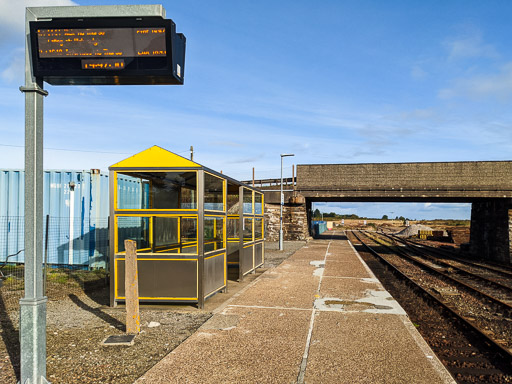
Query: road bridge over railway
[{"x": 487, "y": 185}]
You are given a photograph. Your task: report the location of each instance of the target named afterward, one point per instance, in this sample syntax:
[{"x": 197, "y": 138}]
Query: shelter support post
[
  {"x": 200, "y": 239},
  {"x": 241, "y": 224}
]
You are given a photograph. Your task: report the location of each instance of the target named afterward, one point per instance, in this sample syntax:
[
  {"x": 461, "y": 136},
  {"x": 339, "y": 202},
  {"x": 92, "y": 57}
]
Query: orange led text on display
[{"x": 124, "y": 42}]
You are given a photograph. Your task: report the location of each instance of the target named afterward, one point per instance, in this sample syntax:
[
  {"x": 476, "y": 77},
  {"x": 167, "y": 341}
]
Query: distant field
[{"x": 399, "y": 223}]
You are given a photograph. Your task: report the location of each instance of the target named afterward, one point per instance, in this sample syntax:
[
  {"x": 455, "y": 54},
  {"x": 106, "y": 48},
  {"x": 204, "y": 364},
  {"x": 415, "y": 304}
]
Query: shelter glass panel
[
  {"x": 258, "y": 203},
  {"x": 157, "y": 190},
  {"x": 247, "y": 201},
  {"x": 233, "y": 228},
  {"x": 189, "y": 235},
  {"x": 213, "y": 233},
  {"x": 248, "y": 223},
  {"x": 258, "y": 228},
  {"x": 213, "y": 192},
  {"x": 233, "y": 199},
  {"x": 165, "y": 234},
  {"x": 136, "y": 229},
  {"x": 132, "y": 192}
]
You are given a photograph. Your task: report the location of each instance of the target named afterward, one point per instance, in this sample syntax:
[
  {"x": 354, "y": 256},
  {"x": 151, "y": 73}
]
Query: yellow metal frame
[
  {"x": 224, "y": 240},
  {"x": 262, "y": 228},
  {"x": 117, "y": 209},
  {"x": 252, "y": 201},
  {"x": 262, "y": 203},
  {"x": 224, "y": 193},
  {"x": 150, "y": 216},
  {"x": 252, "y": 230}
]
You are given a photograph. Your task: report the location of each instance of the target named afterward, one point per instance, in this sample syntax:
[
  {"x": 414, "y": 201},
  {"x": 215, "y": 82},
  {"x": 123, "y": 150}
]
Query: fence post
[
  {"x": 45, "y": 253},
  {"x": 131, "y": 288}
]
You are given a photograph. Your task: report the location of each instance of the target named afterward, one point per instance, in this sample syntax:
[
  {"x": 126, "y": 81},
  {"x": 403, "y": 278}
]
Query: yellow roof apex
[{"x": 155, "y": 157}]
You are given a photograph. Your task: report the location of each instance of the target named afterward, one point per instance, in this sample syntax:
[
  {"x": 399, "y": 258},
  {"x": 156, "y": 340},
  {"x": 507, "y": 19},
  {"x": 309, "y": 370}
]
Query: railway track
[
  {"x": 501, "y": 274},
  {"x": 471, "y": 353},
  {"x": 481, "y": 281}
]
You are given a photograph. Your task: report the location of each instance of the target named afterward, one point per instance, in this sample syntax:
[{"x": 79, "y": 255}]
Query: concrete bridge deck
[{"x": 320, "y": 317}]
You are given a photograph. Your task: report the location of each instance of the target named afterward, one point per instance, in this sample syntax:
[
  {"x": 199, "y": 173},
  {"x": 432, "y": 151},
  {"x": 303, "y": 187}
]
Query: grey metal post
[
  {"x": 111, "y": 237},
  {"x": 282, "y": 203},
  {"x": 281, "y": 209},
  {"x": 33, "y": 304}
]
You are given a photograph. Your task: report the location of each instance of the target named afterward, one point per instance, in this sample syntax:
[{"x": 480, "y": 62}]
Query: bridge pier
[
  {"x": 295, "y": 220},
  {"x": 491, "y": 230}
]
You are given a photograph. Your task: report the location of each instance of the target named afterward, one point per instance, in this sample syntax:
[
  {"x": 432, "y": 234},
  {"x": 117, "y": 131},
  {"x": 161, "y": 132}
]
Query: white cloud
[
  {"x": 469, "y": 46},
  {"x": 12, "y": 16},
  {"x": 418, "y": 73},
  {"x": 496, "y": 85},
  {"x": 15, "y": 68}
]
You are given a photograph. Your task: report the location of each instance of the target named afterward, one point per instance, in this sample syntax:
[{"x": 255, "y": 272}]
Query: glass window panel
[
  {"x": 258, "y": 228},
  {"x": 165, "y": 234},
  {"x": 233, "y": 199},
  {"x": 133, "y": 228},
  {"x": 232, "y": 228},
  {"x": 248, "y": 229},
  {"x": 189, "y": 249},
  {"x": 247, "y": 201},
  {"x": 189, "y": 235},
  {"x": 258, "y": 203},
  {"x": 213, "y": 233},
  {"x": 157, "y": 190},
  {"x": 132, "y": 192},
  {"x": 188, "y": 229},
  {"x": 213, "y": 193}
]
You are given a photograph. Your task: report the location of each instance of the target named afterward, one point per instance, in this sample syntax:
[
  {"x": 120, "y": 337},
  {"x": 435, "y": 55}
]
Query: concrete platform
[{"x": 319, "y": 317}]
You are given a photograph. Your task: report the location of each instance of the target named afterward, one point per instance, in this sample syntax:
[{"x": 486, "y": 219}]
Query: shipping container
[{"x": 77, "y": 204}]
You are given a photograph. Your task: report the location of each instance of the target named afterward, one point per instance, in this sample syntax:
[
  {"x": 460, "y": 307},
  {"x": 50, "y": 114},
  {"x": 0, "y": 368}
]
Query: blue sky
[{"x": 331, "y": 81}]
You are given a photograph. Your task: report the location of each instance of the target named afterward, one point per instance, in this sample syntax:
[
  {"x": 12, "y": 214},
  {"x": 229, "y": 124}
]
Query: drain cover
[{"x": 119, "y": 340}]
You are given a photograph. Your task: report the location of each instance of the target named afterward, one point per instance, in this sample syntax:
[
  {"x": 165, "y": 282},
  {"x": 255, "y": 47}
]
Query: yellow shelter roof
[{"x": 155, "y": 157}]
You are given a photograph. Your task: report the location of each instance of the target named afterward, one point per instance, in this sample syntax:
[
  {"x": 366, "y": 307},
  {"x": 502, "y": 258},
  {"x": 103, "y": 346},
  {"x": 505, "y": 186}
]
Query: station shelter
[{"x": 191, "y": 224}]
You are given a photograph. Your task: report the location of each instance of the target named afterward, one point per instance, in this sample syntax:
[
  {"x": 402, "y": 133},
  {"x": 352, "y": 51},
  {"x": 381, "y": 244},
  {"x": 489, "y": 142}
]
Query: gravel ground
[
  {"x": 412, "y": 230},
  {"x": 77, "y": 323}
]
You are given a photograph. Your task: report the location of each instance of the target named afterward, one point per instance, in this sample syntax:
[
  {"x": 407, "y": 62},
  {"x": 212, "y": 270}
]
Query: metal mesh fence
[{"x": 75, "y": 256}]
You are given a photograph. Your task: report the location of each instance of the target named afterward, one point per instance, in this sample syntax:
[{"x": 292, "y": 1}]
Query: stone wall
[
  {"x": 295, "y": 225},
  {"x": 491, "y": 230}
]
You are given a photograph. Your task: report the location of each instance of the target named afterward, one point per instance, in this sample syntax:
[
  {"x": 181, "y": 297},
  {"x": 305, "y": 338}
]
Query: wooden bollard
[{"x": 131, "y": 288}]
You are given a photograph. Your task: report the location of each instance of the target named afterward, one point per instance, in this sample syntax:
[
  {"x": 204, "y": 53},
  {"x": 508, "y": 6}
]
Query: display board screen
[
  {"x": 101, "y": 42},
  {"x": 107, "y": 51}
]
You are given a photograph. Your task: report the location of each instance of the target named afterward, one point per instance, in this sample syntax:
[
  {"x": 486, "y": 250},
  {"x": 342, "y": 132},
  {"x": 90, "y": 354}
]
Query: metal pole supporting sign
[
  {"x": 282, "y": 203},
  {"x": 135, "y": 70}
]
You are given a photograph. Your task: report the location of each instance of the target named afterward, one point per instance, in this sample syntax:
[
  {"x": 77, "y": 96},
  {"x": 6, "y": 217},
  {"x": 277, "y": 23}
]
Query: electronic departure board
[{"x": 108, "y": 51}]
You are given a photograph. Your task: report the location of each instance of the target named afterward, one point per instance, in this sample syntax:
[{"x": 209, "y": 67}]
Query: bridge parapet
[{"x": 442, "y": 180}]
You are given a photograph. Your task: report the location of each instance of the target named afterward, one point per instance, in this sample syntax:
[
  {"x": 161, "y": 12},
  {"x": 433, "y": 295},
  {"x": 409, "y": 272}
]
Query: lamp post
[{"x": 282, "y": 202}]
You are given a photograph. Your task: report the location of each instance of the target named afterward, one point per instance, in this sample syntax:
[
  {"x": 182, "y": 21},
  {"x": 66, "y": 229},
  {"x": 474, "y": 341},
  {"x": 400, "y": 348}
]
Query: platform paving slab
[
  {"x": 256, "y": 345},
  {"x": 366, "y": 348},
  {"x": 348, "y": 288},
  {"x": 319, "y": 317},
  {"x": 285, "y": 290}
]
